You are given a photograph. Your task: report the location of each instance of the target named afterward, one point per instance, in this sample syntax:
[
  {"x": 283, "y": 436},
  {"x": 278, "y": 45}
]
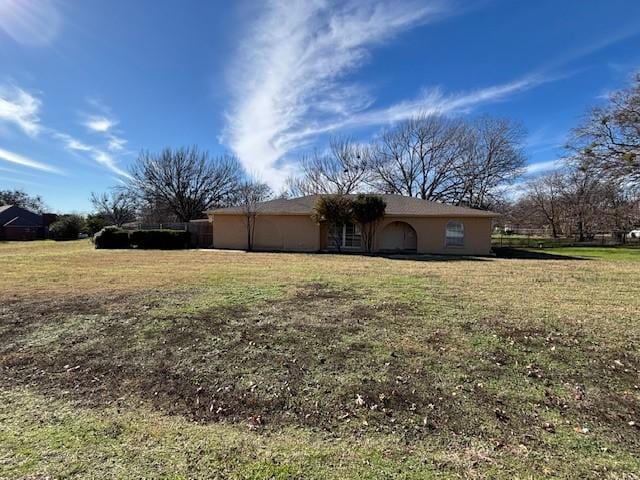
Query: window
[
  {"x": 455, "y": 234},
  {"x": 352, "y": 235},
  {"x": 348, "y": 234}
]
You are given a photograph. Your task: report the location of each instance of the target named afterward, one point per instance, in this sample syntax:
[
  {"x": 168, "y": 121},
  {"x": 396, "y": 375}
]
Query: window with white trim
[
  {"x": 455, "y": 234},
  {"x": 349, "y": 235}
]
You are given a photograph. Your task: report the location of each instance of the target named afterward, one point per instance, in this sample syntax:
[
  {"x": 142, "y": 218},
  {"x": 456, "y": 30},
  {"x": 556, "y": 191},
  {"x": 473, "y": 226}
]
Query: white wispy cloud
[
  {"x": 115, "y": 143},
  {"x": 27, "y": 162},
  {"x": 538, "y": 168},
  {"x": 99, "y": 123},
  {"x": 20, "y": 108},
  {"x": 97, "y": 153},
  {"x": 290, "y": 71},
  {"x": 105, "y": 125},
  {"x": 32, "y": 22},
  {"x": 291, "y": 81},
  {"x": 432, "y": 101}
]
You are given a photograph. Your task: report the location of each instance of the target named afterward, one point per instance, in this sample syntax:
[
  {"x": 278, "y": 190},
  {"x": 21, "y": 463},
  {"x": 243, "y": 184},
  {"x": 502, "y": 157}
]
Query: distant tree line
[{"x": 598, "y": 189}]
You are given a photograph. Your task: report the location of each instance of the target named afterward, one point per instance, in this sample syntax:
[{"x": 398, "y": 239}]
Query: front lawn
[{"x": 205, "y": 364}]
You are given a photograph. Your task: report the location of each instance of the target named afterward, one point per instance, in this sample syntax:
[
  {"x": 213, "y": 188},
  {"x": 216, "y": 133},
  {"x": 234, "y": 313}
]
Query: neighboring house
[
  {"x": 409, "y": 225},
  {"x": 17, "y": 223}
]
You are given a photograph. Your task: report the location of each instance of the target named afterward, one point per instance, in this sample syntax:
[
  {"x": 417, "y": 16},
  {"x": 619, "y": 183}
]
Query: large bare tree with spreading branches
[
  {"x": 453, "y": 161},
  {"x": 186, "y": 180},
  {"x": 418, "y": 158},
  {"x": 492, "y": 158}
]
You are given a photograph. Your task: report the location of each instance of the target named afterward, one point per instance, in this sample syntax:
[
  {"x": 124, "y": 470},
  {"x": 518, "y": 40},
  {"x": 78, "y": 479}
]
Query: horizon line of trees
[
  {"x": 473, "y": 162},
  {"x": 598, "y": 188}
]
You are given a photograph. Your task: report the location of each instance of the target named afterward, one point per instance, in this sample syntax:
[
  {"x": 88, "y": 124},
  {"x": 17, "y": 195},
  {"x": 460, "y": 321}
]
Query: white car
[{"x": 634, "y": 233}]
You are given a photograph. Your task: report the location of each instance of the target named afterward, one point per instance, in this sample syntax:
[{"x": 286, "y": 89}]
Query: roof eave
[{"x": 480, "y": 214}]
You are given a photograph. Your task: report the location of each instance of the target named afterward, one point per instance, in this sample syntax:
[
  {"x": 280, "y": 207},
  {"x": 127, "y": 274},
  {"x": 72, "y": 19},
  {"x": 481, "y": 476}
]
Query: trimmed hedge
[
  {"x": 112, "y": 237},
  {"x": 159, "y": 239}
]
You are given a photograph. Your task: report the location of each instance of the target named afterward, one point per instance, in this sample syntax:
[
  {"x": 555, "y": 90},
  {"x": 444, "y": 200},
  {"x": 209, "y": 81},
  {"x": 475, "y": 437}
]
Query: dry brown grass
[{"x": 470, "y": 367}]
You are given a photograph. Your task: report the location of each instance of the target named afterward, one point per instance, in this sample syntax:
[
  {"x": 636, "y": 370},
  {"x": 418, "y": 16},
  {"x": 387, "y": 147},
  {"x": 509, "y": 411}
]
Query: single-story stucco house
[{"x": 409, "y": 225}]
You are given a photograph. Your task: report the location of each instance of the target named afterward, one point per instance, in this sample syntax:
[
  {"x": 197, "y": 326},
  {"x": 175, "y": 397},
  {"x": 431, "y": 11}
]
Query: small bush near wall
[
  {"x": 160, "y": 239},
  {"x": 112, "y": 237}
]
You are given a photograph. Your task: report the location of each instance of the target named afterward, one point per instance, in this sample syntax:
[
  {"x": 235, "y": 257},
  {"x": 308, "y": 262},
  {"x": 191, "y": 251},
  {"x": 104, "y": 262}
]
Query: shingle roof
[
  {"x": 396, "y": 205},
  {"x": 18, "y": 216}
]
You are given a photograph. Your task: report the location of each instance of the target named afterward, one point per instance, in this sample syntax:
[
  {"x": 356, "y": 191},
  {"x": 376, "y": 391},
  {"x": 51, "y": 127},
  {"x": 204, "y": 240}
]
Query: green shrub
[
  {"x": 67, "y": 227},
  {"x": 160, "y": 239},
  {"x": 94, "y": 223},
  {"x": 112, "y": 237}
]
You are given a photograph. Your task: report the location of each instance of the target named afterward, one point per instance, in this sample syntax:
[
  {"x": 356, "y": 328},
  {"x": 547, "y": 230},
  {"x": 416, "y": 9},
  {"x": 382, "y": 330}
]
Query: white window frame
[
  {"x": 343, "y": 237},
  {"x": 452, "y": 241}
]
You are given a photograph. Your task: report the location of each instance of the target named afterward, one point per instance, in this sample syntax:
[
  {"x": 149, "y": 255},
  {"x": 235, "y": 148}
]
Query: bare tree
[
  {"x": 546, "y": 195},
  {"x": 343, "y": 170},
  {"x": 447, "y": 160},
  {"x": 418, "y": 158},
  {"x": 493, "y": 157},
  {"x": 185, "y": 180},
  {"x": 609, "y": 139},
  {"x": 116, "y": 206},
  {"x": 250, "y": 194},
  {"x": 575, "y": 202},
  {"x": 395, "y": 168},
  {"x": 581, "y": 195}
]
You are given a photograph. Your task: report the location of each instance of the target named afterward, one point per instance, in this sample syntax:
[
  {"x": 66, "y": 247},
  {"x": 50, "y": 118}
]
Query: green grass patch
[{"x": 203, "y": 364}]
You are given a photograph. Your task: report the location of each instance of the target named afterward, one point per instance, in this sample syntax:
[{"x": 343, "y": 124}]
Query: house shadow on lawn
[
  {"x": 527, "y": 254},
  {"x": 414, "y": 257},
  {"x": 500, "y": 252}
]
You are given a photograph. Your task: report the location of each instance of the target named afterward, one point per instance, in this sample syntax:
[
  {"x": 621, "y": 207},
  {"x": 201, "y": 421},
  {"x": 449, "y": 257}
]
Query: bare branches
[
  {"x": 439, "y": 159},
  {"x": 250, "y": 194},
  {"x": 492, "y": 158},
  {"x": 609, "y": 139},
  {"x": 546, "y": 196},
  {"x": 576, "y": 203},
  {"x": 116, "y": 207},
  {"x": 186, "y": 180},
  {"x": 344, "y": 169}
]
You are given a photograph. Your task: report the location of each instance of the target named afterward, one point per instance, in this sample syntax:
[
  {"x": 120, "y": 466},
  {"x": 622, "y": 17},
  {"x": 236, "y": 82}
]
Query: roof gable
[
  {"x": 18, "y": 216},
  {"x": 397, "y": 205}
]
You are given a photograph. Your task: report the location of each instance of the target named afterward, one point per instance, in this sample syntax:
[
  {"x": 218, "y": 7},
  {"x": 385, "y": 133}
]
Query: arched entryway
[{"x": 398, "y": 236}]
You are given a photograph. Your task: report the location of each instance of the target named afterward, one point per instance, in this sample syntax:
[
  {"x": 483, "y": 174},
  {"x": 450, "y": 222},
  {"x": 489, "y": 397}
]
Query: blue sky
[{"x": 86, "y": 85}]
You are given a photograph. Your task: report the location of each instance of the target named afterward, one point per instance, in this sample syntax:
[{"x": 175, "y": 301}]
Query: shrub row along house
[{"x": 408, "y": 225}]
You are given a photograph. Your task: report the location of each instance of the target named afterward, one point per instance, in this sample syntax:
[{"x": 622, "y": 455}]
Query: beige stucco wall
[
  {"x": 301, "y": 233},
  {"x": 431, "y": 234},
  {"x": 298, "y": 233}
]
